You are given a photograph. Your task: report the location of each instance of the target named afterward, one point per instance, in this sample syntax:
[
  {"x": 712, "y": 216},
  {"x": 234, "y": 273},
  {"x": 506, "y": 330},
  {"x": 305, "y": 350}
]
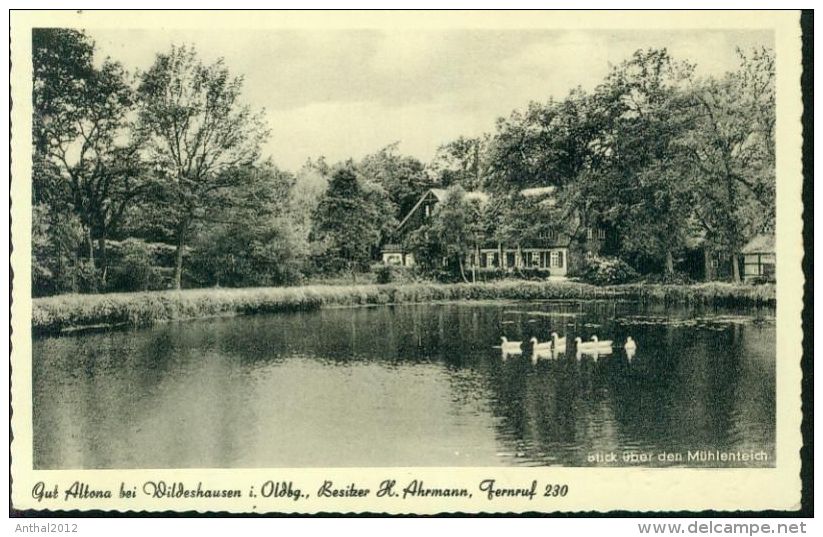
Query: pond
[{"x": 412, "y": 385}]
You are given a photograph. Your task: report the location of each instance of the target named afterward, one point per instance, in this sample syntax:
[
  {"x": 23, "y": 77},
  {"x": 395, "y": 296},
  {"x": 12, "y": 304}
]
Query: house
[
  {"x": 549, "y": 253},
  {"x": 758, "y": 258}
]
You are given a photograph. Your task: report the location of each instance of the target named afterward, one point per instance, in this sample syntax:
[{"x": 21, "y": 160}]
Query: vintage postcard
[{"x": 406, "y": 262}]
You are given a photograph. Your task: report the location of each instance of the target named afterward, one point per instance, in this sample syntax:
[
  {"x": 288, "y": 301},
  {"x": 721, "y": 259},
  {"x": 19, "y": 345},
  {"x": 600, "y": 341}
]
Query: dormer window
[{"x": 598, "y": 232}]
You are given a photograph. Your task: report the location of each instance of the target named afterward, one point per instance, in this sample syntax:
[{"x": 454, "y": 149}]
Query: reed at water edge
[{"x": 67, "y": 312}]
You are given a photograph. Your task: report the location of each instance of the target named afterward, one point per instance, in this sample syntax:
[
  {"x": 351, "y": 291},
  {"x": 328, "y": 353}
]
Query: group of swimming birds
[{"x": 558, "y": 345}]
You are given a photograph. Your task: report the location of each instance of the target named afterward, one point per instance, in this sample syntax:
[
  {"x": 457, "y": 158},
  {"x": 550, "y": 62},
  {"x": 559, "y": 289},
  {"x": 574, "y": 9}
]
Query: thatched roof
[{"x": 760, "y": 244}]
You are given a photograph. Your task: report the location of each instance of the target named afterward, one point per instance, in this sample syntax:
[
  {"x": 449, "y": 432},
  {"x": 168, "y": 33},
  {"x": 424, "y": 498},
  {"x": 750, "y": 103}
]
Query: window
[
  {"x": 550, "y": 236},
  {"x": 484, "y": 262},
  {"x": 557, "y": 259},
  {"x": 544, "y": 259},
  {"x": 509, "y": 259},
  {"x": 428, "y": 210},
  {"x": 598, "y": 232}
]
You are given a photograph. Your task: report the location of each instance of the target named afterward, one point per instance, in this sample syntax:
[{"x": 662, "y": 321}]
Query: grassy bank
[{"x": 65, "y": 312}]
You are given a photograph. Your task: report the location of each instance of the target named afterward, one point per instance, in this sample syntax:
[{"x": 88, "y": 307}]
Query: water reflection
[{"x": 405, "y": 386}]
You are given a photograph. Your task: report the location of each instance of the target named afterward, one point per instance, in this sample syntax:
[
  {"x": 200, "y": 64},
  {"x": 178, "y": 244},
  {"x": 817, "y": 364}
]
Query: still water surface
[{"x": 415, "y": 385}]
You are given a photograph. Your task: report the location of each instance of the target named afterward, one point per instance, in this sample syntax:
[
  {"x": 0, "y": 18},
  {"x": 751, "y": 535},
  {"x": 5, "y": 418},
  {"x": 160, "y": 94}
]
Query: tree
[
  {"x": 310, "y": 184},
  {"x": 641, "y": 184},
  {"x": 200, "y": 137},
  {"x": 547, "y": 144},
  {"x": 56, "y": 237},
  {"x": 452, "y": 233},
  {"x": 463, "y": 162},
  {"x": 731, "y": 148},
  {"x": 351, "y": 220},
  {"x": 250, "y": 239},
  {"x": 402, "y": 177},
  {"x": 86, "y": 158}
]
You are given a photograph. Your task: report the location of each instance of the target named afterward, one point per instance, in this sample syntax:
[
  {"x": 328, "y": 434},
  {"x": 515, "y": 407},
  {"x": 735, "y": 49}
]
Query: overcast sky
[{"x": 348, "y": 93}]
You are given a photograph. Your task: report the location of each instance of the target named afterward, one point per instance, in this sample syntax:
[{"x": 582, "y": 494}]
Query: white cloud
[{"x": 346, "y": 93}]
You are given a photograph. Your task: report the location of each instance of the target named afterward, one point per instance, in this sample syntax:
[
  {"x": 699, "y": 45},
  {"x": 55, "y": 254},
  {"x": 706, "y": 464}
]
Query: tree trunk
[
  {"x": 178, "y": 255},
  {"x": 103, "y": 259},
  {"x": 708, "y": 270},
  {"x": 669, "y": 263},
  {"x": 735, "y": 266},
  {"x": 89, "y": 244},
  {"x": 476, "y": 263},
  {"x": 462, "y": 272},
  {"x": 500, "y": 261}
]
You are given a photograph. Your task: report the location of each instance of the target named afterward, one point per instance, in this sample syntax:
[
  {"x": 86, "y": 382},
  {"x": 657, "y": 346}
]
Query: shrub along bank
[{"x": 68, "y": 312}]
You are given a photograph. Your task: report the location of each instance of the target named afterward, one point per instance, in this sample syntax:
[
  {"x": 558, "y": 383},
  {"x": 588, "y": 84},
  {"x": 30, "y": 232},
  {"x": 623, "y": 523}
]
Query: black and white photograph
[{"x": 401, "y": 246}]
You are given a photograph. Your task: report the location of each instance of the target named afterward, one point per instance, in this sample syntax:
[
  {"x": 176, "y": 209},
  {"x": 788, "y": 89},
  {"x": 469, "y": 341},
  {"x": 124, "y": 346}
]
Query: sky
[{"x": 347, "y": 93}]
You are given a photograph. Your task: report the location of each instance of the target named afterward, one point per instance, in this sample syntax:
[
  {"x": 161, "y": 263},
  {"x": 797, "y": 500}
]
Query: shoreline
[{"x": 69, "y": 313}]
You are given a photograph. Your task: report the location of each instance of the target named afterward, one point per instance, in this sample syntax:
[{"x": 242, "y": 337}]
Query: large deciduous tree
[
  {"x": 463, "y": 161},
  {"x": 86, "y": 157},
  {"x": 547, "y": 144},
  {"x": 641, "y": 184},
  {"x": 403, "y": 177},
  {"x": 351, "y": 220},
  {"x": 199, "y": 135},
  {"x": 732, "y": 151},
  {"x": 251, "y": 238}
]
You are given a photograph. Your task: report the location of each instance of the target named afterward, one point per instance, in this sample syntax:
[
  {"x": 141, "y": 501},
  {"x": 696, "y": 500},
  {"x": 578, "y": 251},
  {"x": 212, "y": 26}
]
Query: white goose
[
  {"x": 631, "y": 348},
  {"x": 538, "y": 347},
  {"x": 510, "y": 347},
  {"x": 558, "y": 342},
  {"x": 585, "y": 346},
  {"x": 606, "y": 343}
]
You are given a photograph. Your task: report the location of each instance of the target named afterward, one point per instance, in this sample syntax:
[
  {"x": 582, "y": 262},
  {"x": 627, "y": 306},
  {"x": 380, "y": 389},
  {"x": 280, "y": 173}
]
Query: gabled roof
[
  {"x": 440, "y": 194},
  {"x": 760, "y": 244}
]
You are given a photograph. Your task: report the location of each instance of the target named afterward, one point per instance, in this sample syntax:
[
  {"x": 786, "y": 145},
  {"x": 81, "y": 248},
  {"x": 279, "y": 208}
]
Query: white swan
[{"x": 538, "y": 347}]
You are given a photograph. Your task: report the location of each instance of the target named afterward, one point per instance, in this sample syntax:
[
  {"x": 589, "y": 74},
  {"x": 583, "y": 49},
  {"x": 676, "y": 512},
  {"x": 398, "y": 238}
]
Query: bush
[
  {"x": 135, "y": 270},
  {"x": 607, "y": 271},
  {"x": 677, "y": 278},
  {"x": 80, "y": 277},
  {"x": 383, "y": 273}
]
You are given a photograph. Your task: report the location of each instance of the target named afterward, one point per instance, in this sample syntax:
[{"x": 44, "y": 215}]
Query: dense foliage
[
  {"x": 156, "y": 180},
  {"x": 607, "y": 271}
]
